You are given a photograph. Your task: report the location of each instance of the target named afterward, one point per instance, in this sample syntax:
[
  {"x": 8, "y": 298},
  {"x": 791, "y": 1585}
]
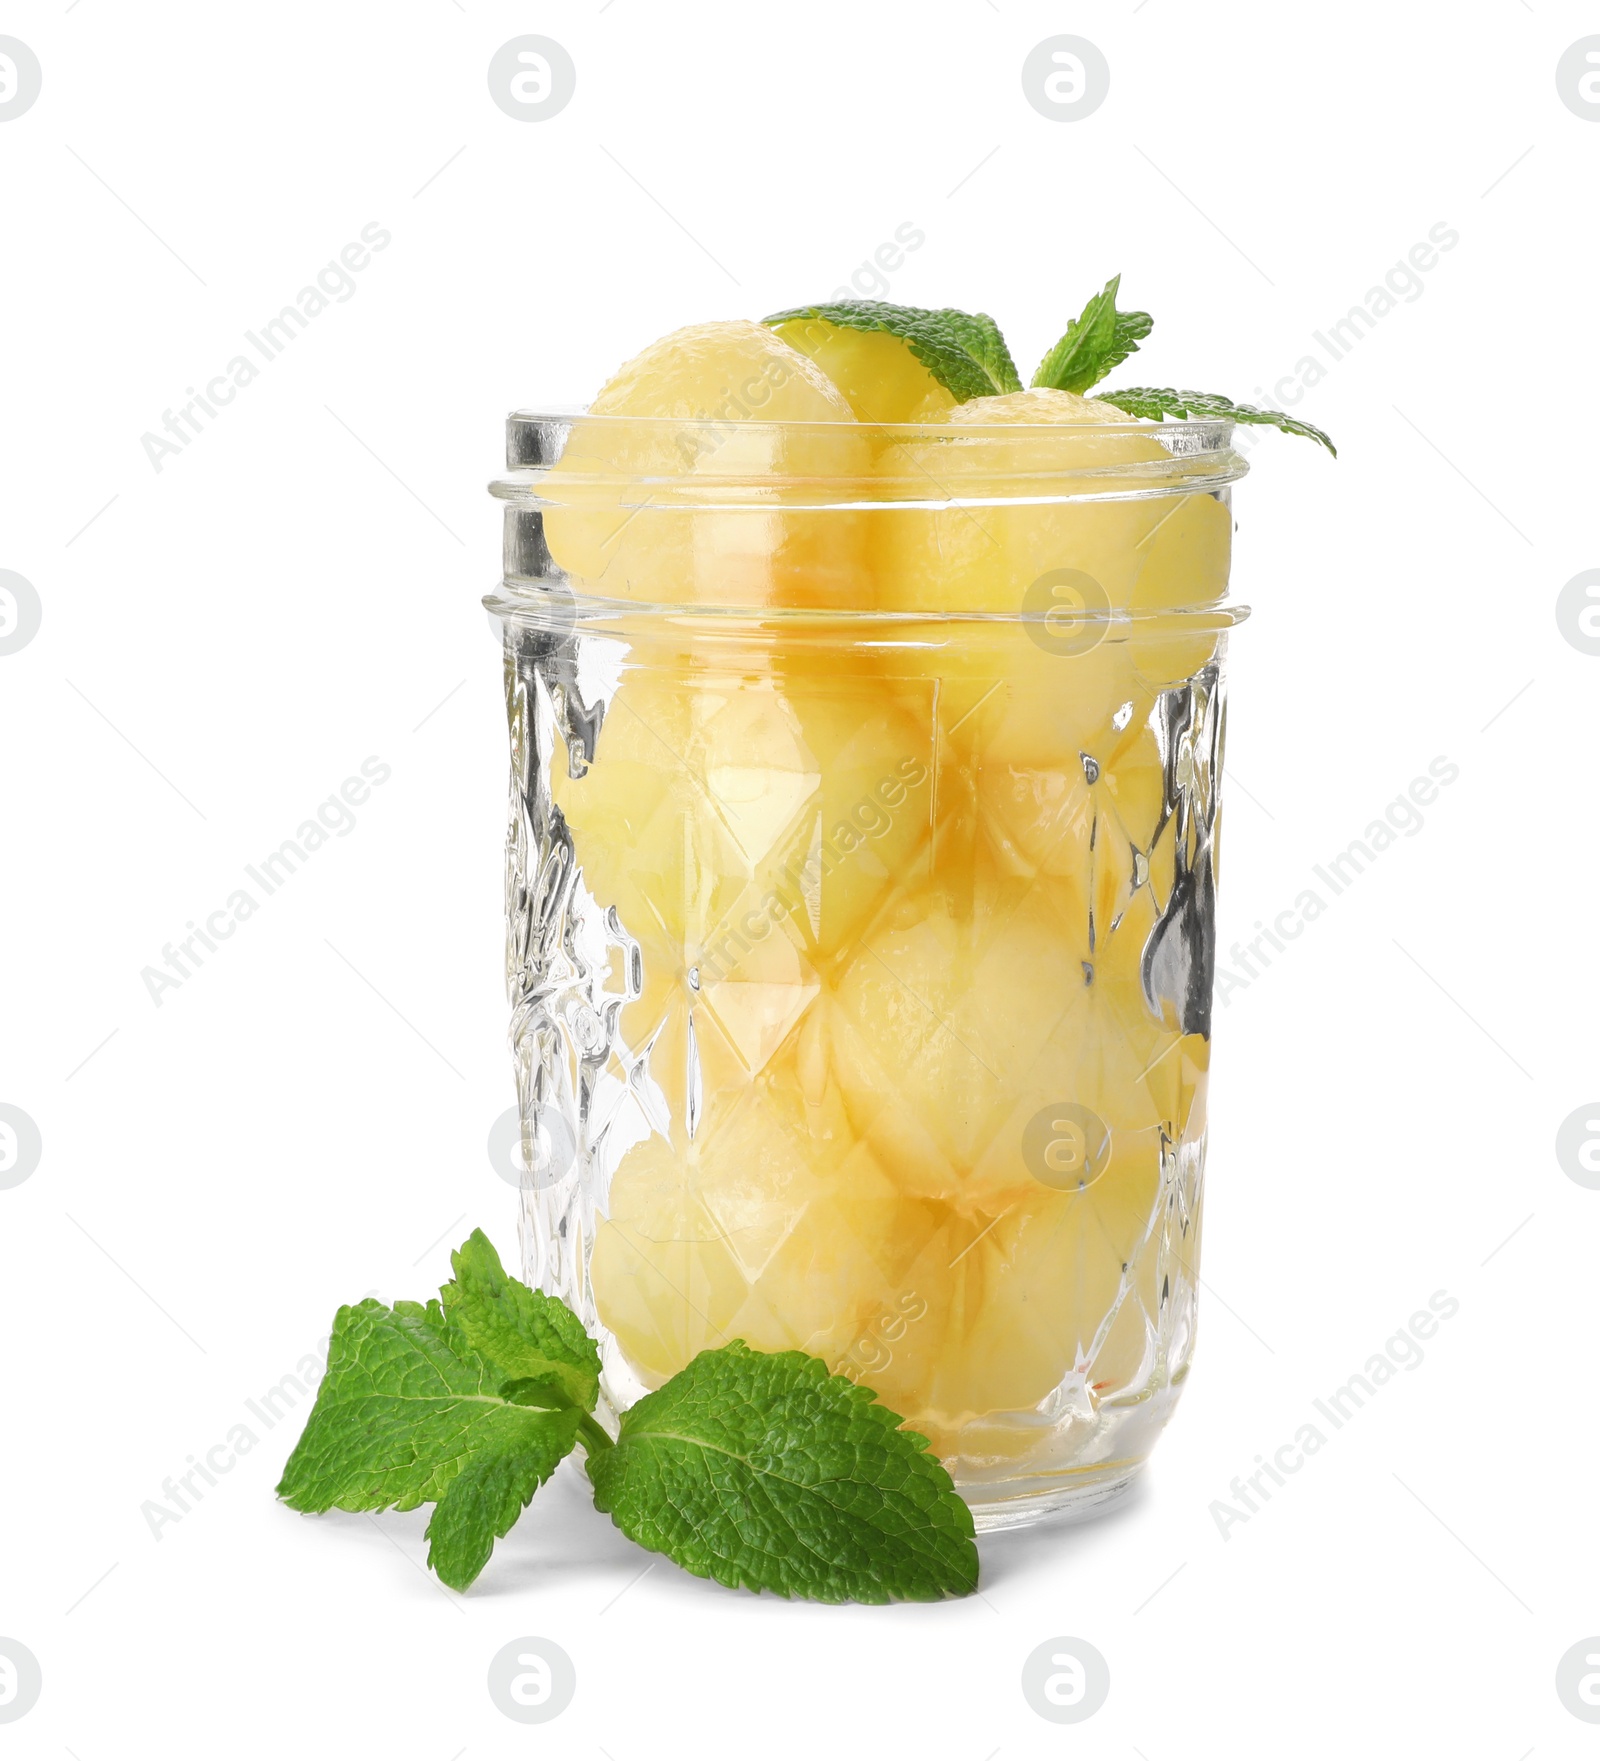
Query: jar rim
[
  {"x": 572, "y": 413},
  {"x": 707, "y": 464},
  {"x": 534, "y": 435}
]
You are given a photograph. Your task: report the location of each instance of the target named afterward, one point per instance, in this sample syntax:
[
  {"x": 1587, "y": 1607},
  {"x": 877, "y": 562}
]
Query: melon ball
[
  {"x": 689, "y": 493},
  {"x": 879, "y": 376}
]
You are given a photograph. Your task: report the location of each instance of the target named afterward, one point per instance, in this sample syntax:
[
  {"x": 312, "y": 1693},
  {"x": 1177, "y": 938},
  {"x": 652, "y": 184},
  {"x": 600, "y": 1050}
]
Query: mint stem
[{"x": 592, "y": 1434}]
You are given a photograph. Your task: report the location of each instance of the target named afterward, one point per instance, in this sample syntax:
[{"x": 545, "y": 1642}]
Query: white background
[{"x": 225, "y": 640}]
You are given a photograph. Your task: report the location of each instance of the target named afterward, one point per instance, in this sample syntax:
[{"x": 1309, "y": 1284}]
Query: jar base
[{"x": 1021, "y": 1504}]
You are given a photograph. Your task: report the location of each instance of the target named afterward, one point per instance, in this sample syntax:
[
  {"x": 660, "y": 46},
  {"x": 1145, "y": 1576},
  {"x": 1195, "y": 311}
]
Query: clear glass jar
[{"x": 860, "y": 893}]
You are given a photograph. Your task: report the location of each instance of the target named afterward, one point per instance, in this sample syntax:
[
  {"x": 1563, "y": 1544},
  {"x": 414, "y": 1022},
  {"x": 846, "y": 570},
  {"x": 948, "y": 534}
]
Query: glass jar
[{"x": 860, "y": 894}]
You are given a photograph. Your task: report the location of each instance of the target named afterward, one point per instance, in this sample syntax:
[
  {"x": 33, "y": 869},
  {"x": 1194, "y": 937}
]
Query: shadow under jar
[{"x": 860, "y": 894}]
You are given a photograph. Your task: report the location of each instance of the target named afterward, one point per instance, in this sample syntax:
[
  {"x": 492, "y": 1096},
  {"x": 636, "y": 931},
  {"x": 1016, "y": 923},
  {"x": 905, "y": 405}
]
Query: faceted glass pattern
[{"x": 860, "y": 977}]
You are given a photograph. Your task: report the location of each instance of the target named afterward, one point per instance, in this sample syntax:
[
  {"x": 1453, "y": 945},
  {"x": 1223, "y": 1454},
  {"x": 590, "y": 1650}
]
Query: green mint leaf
[
  {"x": 762, "y": 1471},
  {"x": 525, "y": 1332},
  {"x": 1153, "y": 403},
  {"x": 980, "y": 336},
  {"x": 404, "y": 1406},
  {"x": 1097, "y": 340},
  {"x": 964, "y": 351},
  {"x": 483, "y": 1501}
]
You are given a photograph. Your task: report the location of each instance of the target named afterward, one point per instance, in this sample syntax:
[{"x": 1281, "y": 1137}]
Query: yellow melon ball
[
  {"x": 882, "y": 380},
  {"x": 1053, "y": 684},
  {"x": 777, "y": 1228},
  {"x": 1064, "y": 1280},
  {"x": 934, "y": 1030},
  {"x": 1007, "y": 698},
  {"x": 863, "y": 834},
  {"x": 728, "y": 370},
  {"x": 727, "y": 816},
  {"x": 688, "y": 491},
  {"x": 647, "y": 834},
  {"x": 1026, "y": 1298},
  {"x": 665, "y": 1279},
  {"x": 960, "y": 1024},
  {"x": 1029, "y": 706},
  {"x": 1045, "y": 407},
  {"x": 1185, "y": 559},
  {"x": 1002, "y": 543},
  {"x": 1083, "y": 819}
]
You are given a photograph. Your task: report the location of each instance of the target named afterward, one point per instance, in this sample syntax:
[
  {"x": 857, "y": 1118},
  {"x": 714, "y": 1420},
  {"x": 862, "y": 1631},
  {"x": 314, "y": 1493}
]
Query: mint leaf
[
  {"x": 762, "y": 1471},
  {"x": 1152, "y": 403},
  {"x": 1097, "y": 340},
  {"x": 404, "y": 1406},
  {"x": 964, "y": 351},
  {"x": 525, "y": 1332},
  {"x": 980, "y": 336},
  {"x": 483, "y": 1501}
]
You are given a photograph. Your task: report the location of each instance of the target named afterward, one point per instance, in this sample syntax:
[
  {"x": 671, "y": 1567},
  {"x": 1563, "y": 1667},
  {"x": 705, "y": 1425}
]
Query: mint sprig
[
  {"x": 964, "y": 351},
  {"x": 967, "y": 354},
  {"x": 759, "y": 1470},
  {"x": 1153, "y": 403},
  {"x": 1097, "y": 340}
]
